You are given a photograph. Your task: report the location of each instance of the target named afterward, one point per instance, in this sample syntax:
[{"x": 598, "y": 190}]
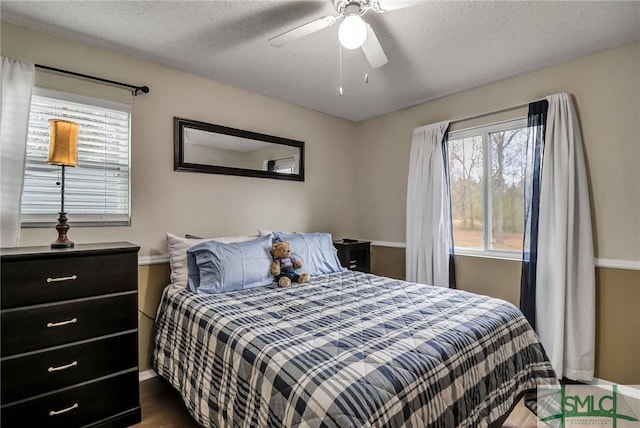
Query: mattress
[{"x": 348, "y": 349}]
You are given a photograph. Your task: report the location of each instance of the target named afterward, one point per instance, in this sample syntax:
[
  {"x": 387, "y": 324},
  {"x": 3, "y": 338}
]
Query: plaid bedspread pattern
[{"x": 346, "y": 350}]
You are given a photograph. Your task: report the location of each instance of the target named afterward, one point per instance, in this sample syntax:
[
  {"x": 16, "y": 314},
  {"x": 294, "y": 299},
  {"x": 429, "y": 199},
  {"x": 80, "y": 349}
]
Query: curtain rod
[
  {"x": 136, "y": 90},
  {"x": 489, "y": 113}
]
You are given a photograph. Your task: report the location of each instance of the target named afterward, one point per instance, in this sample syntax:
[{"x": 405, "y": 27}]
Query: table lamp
[{"x": 63, "y": 151}]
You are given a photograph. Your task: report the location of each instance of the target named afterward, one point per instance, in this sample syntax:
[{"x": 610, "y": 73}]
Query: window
[
  {"x": 487, "y": 166},
  {"x": 97, "y": 192},
  {"x": 283, "y": 166}
]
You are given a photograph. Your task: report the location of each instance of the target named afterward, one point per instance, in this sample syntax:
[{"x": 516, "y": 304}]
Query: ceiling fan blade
[
  {"x": 373, "y": 50},
  {"x": 386, "y": 5},
  {"x": 303, "y": 30}
]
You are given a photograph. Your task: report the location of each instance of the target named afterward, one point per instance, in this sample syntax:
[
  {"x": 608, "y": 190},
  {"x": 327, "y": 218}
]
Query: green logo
[{"x": 568, "y": 406}]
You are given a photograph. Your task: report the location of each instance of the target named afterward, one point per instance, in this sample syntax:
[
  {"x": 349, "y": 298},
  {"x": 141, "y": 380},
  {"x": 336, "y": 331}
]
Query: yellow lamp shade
[{"x": 63, "y": 148}]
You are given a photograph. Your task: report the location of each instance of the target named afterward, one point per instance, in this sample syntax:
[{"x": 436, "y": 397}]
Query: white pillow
[{"x": 178, "y": 247}]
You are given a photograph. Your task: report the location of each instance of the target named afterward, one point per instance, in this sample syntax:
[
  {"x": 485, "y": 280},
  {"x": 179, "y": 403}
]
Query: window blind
[{"x": 97, "y": 191}]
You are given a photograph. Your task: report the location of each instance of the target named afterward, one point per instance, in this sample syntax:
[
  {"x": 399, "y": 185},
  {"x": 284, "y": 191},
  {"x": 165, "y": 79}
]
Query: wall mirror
[{"x": 205, "y": 147}]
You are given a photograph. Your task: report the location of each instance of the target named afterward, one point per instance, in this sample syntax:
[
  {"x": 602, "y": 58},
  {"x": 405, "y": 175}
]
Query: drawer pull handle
[
  {"x": 59, "y": 412},
  {"x": 61, "y": 323},
  {"x": 66, "y": 366},
  {"x": 63, "y": 278}
]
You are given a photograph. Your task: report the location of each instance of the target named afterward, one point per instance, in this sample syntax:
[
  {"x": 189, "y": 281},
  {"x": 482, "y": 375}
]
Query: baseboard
[
  {"x": 147, "y": 374},
  {"x": 153, "y": 260}
]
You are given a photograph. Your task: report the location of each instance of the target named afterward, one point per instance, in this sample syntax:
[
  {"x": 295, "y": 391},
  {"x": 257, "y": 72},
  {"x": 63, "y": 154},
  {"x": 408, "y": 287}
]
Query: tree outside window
[{"x": 487, "y": 167}]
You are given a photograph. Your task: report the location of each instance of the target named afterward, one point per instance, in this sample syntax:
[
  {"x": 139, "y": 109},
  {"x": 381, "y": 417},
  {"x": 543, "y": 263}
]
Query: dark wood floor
[{"x": 163, "y": 407}]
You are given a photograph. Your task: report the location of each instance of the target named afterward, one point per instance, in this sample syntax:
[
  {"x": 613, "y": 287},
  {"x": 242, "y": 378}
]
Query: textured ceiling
[{"x": 434, "y": 49}]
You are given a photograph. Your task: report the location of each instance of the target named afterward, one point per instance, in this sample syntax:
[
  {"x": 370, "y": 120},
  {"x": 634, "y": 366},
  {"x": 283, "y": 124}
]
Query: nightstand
[
  {"x": 69, "y": 344},
  {"x": 354, "y": 254}
]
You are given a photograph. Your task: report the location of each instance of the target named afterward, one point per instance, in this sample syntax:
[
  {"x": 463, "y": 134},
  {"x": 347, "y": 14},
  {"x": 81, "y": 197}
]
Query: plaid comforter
[{"x": 346, "y": 350}]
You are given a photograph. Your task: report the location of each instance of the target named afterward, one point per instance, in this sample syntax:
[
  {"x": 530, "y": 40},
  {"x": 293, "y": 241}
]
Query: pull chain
[
  {"x": 340, "y": 71},
  {"x": 366, "y": 64}
]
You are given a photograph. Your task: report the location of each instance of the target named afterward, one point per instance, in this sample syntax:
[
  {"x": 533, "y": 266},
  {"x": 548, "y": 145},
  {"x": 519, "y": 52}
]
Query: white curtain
[
  {"x": 296, "y": 164},
  {"x": 428, "y": 244},
  {"x": 15, "y": 92},
  {"x": 565, "y": 293}
]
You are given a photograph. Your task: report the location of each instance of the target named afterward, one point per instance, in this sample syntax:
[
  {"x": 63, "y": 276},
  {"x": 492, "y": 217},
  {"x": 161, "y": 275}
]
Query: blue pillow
[
  {"x": 318, "y": 254},
  {"x": 215, "y": 267}
]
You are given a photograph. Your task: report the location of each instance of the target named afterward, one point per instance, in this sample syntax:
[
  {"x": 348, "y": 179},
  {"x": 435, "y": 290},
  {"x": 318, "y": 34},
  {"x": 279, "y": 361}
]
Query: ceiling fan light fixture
[{"x": 353, "y": 31}]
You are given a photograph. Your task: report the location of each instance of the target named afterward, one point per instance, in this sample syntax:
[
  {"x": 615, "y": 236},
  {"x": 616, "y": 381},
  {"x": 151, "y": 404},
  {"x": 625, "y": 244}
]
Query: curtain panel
[
  {"x": 16, "y": 89},
  {"x": 428, "y": 230},
  {"x": 565, "y": 291},
  {"x": 447, "y": 178},
  {"x": 536, "y": 121}
]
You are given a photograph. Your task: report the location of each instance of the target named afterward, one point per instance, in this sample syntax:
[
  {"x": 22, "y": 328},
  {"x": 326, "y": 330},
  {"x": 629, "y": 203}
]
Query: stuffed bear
[{"x": 284, "y": 265}]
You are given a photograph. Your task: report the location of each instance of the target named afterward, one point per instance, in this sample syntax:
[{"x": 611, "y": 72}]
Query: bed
[{"x": 347, "y": 349}]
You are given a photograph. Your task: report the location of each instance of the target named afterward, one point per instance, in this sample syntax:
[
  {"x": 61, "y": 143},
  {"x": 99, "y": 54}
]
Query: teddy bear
[{"x": 285, "y": 263}]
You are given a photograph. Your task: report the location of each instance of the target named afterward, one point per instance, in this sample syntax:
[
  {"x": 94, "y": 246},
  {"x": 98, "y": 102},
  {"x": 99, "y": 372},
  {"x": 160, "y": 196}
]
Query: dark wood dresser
[{"x": 69, "y": 343}]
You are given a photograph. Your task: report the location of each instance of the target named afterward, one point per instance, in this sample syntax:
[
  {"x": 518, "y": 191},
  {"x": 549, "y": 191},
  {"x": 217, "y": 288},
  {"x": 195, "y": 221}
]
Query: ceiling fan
[{"x": 354, "y": 32}]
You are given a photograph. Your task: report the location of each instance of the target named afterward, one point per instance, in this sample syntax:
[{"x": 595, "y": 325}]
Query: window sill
[{"x": 498, "y": 255}]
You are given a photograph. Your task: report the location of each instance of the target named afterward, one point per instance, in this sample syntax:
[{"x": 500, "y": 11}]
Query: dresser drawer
[
  {"x": 77, "y": 406},
  {"x": 41, "y": 372},
  {"x": 29, "y": 282},
  {"x": 39, "y": 327}
]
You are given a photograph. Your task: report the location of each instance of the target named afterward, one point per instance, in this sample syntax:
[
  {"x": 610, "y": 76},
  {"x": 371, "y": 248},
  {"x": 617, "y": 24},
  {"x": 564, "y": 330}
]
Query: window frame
[
  {"x": 487, "y": 185},
  {"x": 85, "y": 220}
]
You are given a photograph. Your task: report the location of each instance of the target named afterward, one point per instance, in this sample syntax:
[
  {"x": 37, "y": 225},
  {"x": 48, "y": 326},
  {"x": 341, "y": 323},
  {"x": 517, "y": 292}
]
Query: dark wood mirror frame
[{"x": 179, "y": 163}]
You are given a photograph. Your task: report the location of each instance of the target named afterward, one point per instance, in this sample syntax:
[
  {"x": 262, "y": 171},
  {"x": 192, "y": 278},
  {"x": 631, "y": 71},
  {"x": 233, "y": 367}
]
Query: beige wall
[
  {"x": 151, "y": 282},
  {"x": 201, "y": 204},
  {"x": 618, "y": 325},
  {"x": 355, "y": 173},
  {"x": 606, "y": 90}
]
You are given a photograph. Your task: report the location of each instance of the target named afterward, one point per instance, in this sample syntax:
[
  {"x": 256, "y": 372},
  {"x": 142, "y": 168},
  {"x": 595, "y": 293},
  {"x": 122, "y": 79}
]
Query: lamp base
[
  {"x": 67, "y": 244},
  {"x": 62, "y": 227}
]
